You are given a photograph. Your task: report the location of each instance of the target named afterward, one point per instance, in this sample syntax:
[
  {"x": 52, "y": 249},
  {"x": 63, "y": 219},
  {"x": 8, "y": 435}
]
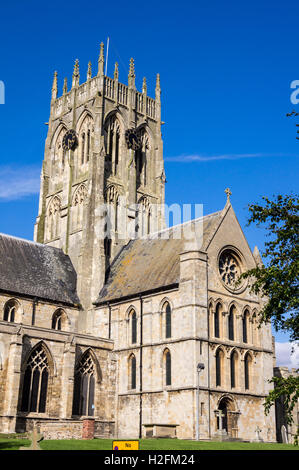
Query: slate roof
[
  {"x": 145, "y": 265},
  {"x": 32, "y": 269}
]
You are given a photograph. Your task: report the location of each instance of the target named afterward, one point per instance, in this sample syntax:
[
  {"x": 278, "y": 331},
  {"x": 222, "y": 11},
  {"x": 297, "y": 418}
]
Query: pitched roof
[
  {"x": 36, "y": 270},
  {"x": 145, "y": 265}
]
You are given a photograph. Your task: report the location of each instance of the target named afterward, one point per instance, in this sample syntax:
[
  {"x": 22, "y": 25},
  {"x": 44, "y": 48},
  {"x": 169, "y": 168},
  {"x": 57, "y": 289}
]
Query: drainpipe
[
  {"x": 208, "y": 371},
  {"x": 140, "y": 368},
  {"x": 109, "y": 321},
  {"x": 34, "y": 303}
]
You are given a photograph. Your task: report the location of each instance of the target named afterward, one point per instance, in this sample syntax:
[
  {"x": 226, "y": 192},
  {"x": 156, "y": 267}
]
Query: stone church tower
[{"x": 103, "y": 169}]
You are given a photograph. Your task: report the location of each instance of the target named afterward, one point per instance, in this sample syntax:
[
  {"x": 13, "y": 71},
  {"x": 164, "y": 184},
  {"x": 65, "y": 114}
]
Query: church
[{"x": 110, "y": 316}]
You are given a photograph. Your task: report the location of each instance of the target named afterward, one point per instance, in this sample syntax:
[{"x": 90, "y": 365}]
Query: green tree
[{"x": 277, "y": 282}]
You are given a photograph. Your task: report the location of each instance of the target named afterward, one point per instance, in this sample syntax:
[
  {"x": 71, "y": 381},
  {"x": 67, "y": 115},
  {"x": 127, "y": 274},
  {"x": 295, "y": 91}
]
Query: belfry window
[
  {"x": 35, "y": 384},
  {"x": 112, "y": 140},
  {"x": 84, "y": 387}
]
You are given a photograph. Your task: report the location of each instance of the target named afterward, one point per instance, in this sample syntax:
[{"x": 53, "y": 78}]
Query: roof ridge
[
  {"x": 14, "y": 237},
  {"x": 185, "y": 223}
]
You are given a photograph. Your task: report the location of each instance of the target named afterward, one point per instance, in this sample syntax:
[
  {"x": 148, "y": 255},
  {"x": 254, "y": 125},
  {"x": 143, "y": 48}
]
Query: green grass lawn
[{"x": 145, "y": 444}]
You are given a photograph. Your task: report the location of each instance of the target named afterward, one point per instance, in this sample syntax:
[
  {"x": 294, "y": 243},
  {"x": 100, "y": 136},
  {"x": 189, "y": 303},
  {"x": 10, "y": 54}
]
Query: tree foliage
[{"x": 277, "y": 282}]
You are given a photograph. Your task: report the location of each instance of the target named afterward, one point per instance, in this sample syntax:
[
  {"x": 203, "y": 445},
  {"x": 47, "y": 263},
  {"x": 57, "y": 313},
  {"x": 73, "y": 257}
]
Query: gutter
[{"x": 140, "y": 368}]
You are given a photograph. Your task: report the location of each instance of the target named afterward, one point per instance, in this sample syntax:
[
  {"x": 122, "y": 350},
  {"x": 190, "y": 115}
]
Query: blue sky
[{"x": 226, "y": 70}]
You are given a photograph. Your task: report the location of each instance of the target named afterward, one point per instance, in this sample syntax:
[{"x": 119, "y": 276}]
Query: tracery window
[
  {"x": 86, "y": 131},
  {"x": 78, "y": 207},
  {"x": 144, "y": 217},
  {"x": 35, "y": 385},
  {"x": 142, "y": 159},
  {"x": 53, "y": 218},
  {"x": 59, "y": 154},
  {"x": 112, "y": 139},
  {"x": 84, "y": 387},
  {"x": 229, "y": 268},
  {"x": 112, "y": 200},
  {"x": 10, "y": 310}
]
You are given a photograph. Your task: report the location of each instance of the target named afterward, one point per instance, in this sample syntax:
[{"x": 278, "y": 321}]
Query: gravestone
[
  {"x": 284, "y": 434},
  {"x": 35, "y": 438},
  {"x": 257, "y": 434}
]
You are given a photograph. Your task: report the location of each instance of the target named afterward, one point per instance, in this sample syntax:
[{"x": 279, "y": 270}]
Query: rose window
[{"x": 229, "y": 268}]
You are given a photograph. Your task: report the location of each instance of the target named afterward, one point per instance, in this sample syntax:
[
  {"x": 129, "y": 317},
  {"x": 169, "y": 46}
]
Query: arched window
[
  {"x": 82, "y": 147},
  {"x": 85, "y": 135},
  {"x": 84, "y": 387},
  {"x": 167, "y": 362},
  {"x": 88, "y": 146},
  {"x": 59, "y": 320},
  {"x": 217, "y": 321},
  {"x": 58, "y": 164},
  {"x": 167, "y": 321},
  {"x": 219, "y": 367},
  {"x": 233, "y": 369},
  {"x": 35, "y": 385},
  {"x": 53, "y": 218},
  {"x": 112, "y": 140},
  {"x": 79, "y": 199},
  {"x": 245, "y": 326},
  {"x": 247, "y": 370},
  {"x": 142, "y": 159},
  {"x": 132, "y": 372},
  {"x": 231, "y": 323},
  {"x": 133, "y": 318},
  {"x": 144, "y": 217},
  {"x": 10, "y": 310},
  {"x": 112, "y": 201}
]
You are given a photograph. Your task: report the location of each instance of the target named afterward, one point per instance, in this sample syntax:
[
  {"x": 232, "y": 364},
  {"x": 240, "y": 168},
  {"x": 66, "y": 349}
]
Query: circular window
[{"x": 230, "y": 269}]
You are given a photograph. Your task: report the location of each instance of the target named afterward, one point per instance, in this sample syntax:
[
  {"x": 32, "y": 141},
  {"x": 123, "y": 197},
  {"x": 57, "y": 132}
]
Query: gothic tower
[{"x": 118, "y": 160}]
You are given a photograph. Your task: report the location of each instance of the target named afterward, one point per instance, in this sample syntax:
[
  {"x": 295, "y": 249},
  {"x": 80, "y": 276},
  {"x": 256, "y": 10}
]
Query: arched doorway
[{"x": 227, "y": 417}]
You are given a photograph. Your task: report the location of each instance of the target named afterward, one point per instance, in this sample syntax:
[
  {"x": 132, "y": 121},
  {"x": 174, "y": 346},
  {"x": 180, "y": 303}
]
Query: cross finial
[{"x": 228, "y": 194}]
